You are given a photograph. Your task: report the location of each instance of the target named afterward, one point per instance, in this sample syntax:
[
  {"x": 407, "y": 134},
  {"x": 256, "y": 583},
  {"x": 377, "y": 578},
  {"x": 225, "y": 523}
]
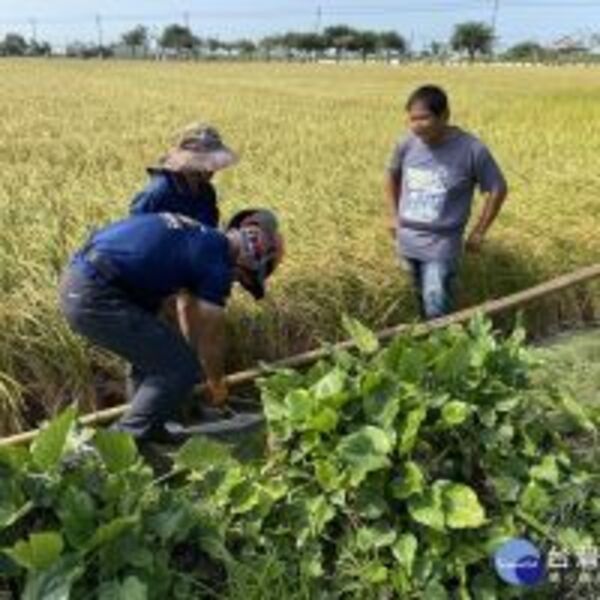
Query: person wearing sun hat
[
  {"x": 181, "y": 183},
  {"x": 113, "y": 286},
  {"x": 181, "y": 180}
]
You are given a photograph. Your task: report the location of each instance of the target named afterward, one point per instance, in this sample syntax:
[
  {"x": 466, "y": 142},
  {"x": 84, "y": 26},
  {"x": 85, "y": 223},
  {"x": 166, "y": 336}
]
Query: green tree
[
  {"x": 245, "y": 47},
  {"x": 13, "y": 45},
  {"x": 39, "y": 49},
  {"x": 178, "y": 37},
  {"x": 311, "y": 44},
  {"x": 526, "y": 51},
  {"x": 342, "y": 38},
  {"x": 366, "y": 42},
  {"x": 135, "y": 38},
  {"x": 391, "y": 42},
  {"x": 472, "y": 37}
]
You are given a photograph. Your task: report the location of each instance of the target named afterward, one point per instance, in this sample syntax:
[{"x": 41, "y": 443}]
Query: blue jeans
[
  {"x": 165, "y": 368},
  {"x": 433, "y": 282}
]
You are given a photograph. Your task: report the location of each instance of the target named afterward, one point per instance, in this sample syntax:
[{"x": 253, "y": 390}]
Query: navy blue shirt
[
  {"x": 166, "y": 192},
  {"x": 156, "y": 255}
]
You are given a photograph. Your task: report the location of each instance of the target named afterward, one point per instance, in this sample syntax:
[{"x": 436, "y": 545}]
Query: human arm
[
  {"x": 203, "y": 325},
  {"x": 393, "y": 186},
  {"x": 493, "y": 202},
  {"x": 493, "y": 185}
]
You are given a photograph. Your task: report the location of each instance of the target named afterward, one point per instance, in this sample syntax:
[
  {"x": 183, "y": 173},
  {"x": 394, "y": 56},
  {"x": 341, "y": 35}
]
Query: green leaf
[
  {"x": 462, "y": 507},
  {"x": 428, "y": 509},
  {"x": 405, "y": 551},
  {"x": 410, "y": 482},
  {"x": 301, "y": 405},
  {"x": 375, "y": 573},
  {"x": 47, "y": 448},
  {"x": 375, "y": 537},
  {"x": 130, "y": 589},
  {"x": 320, "y": 512},
  {"x": 201, "y": 454},
  {"x": 435, "y": 591},
  {"x": 134, "y": 589},
  {"x": 370, "y": 501},
  {"x": 244, "y": 497},
  {"x": 39, "y": 552},
  {"x": 574, "y": 540},
  {"x": 110, "y": 531},
  {"x": 409, "y": 430},
  {"x": 484, "y": 587},
  {"x": 547, "y": 470},
  {"x": 172, "y": 523},
  {"x": 381, "y": 403},
  {"x": 117, "y": 449},
  {"x": 327, "y": 475},
  {"x": 54, "y": 583},
  {"x": 14, "y": 457},
  {"x": 365, "y": 451},
  {"x": 365, "y": 340},
  {"x": 368, "y": 440},
  {"x": 507, "y": 488},
  {"x": 323, "y": 421},
  {"x": 331, "y": 386},
  {"x": 77, "y": 513},
  {"x": 577, "y": 413},
  {"x": 535, "y": 499},
  {"x": 455, "y": 413}
]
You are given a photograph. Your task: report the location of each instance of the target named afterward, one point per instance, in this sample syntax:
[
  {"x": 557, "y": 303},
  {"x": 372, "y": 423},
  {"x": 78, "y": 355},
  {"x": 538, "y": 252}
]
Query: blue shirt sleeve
[
  {"x": 212, "y": 268},
  {"x": 154, "y": 197}
]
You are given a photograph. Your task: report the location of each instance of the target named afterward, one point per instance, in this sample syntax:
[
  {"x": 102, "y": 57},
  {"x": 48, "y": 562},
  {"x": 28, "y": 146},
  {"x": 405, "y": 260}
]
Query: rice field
[{"x": 314, "y": 139}]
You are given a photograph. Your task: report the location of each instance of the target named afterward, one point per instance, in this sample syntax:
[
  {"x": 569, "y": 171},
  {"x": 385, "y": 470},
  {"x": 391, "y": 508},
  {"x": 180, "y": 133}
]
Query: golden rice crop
[{"x": 314, "y": 140}]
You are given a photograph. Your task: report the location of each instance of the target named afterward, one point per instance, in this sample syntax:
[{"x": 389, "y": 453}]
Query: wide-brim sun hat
[{"x": 199, "y": 148}]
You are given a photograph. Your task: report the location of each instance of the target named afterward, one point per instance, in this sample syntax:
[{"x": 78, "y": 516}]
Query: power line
[{"x": 338, "y": 11}]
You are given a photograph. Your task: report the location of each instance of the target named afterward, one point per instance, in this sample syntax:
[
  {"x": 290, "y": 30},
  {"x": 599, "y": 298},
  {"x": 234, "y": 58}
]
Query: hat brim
[
  {"x": 255, "y": 287},
  {"x": 182, "y": 160},
  {"x": 254, "y": 284}
]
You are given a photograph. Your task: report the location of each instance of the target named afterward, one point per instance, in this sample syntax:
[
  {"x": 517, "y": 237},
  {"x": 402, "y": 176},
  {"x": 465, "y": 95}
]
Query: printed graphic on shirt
[
  {"x": 176, "y": 221},
  {"x": 424, "y": 193}
]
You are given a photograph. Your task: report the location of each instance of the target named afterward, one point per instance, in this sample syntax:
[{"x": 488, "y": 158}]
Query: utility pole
[
  {"x": 494, "y": 22},
  {"x": 495, "y": 16},
  {"x": 186, "y": 19},
  {"x": 319, "y": 18},
  {"x": 99, "y": 30},
  {"x": 33, "y": 24}
]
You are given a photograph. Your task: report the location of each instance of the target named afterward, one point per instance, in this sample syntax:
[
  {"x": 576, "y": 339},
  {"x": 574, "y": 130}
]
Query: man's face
[{"x": 424, "y": 124}]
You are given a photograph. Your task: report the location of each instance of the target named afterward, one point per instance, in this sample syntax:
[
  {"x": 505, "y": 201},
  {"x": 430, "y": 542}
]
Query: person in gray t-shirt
[{"x": 430, "y": 181}]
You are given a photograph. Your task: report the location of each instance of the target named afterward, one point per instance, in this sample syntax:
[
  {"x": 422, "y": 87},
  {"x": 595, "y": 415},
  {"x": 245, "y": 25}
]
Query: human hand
[
  {"x": 218, "y": 392},
  {"x": 474, "y": 242}
]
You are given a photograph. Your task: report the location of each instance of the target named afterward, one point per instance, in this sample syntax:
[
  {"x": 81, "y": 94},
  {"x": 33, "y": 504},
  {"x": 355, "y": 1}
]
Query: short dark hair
[{"x": 433, "y": 97}]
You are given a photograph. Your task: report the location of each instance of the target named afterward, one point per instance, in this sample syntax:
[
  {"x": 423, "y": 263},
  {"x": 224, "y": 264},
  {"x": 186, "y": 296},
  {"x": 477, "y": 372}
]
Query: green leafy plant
[{"x": 393, "y": 472}]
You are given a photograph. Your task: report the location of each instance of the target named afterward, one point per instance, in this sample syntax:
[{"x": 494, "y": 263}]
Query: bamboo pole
[{"x": 491, "y": 307}]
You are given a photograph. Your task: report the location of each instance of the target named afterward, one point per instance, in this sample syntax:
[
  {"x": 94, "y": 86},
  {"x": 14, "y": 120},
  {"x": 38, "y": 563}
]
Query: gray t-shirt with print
[{"x": 436, "y": 193}]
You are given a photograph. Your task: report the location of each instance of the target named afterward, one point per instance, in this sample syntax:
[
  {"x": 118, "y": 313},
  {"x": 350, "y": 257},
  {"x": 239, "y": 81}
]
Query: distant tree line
[{"x": 471, "y": 39}]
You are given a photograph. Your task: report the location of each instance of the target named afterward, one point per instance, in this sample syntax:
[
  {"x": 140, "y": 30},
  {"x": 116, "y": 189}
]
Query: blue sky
[{"x": 62, "y": 21}]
